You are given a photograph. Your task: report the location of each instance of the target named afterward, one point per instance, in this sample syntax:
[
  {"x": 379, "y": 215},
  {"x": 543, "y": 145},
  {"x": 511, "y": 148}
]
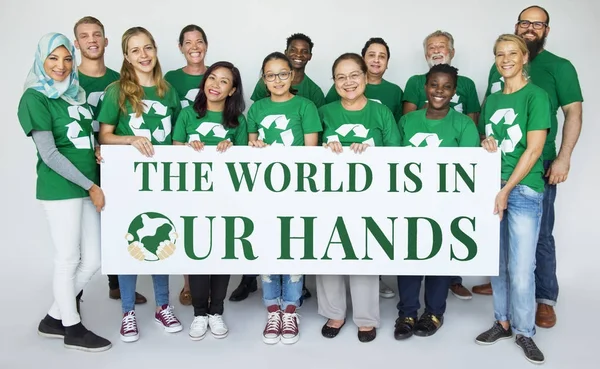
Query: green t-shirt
[
  {"x": 284, "y": 123},
  {"x": 454, "y": 130},
  {"x": 94, "y": 91},
  {"x": 71, "y": 127},
  {"x": 386, "y": 93},
  {"x": 208, "y": 129},
  {"x": 464, "y": 101},
  {"x": 558, "y": 77},
  {"x": 307, "y": 88},
  {"x": 508, "y": 118},
  {"x": 186, "y": 85},
  {"x": 156, "y": 121},
  {"x": 374, "y": 125}
]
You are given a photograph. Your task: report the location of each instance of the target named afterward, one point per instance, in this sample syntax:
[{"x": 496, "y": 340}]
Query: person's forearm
[
  {"x": 524, "y": 165},
  {"x": 570, "y": 135},
  {"x": 109, "y": 138}
]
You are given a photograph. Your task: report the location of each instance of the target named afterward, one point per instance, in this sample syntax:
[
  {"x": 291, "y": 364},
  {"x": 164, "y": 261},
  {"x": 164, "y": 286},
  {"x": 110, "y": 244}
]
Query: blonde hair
[
  {"x": 130, "y": 89},
  {"x": 88, "y": 20}
]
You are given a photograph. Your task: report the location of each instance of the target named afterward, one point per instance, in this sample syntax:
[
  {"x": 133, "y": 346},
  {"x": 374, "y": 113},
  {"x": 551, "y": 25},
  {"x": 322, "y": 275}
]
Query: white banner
[{"x": 300, "y": 210}]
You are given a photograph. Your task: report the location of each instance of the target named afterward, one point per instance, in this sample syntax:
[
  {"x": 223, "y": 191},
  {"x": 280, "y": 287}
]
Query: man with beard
[
  {"x": 94, "y": 77},
  {"x": 439, "y": 49},
  {"x": 299, "y": 50},
  {"x": 558, "y": 77}
]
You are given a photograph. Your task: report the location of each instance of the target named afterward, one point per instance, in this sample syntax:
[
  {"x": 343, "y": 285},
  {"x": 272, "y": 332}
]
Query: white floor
[{"x": 570, "y": 344}]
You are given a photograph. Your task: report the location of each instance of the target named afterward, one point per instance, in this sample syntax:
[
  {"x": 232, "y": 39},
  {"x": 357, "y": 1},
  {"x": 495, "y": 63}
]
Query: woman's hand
[
  {"x": 99, "y": 159},
  {"x": 196, "y": 145},
  {"x": 224, "y": 145},
  {"x": 500, "y": 203},
  {"x": 359, "y": 148},
  {"x": 489, "y": 144},
  {"x": 335, "y": 146},
  {"x": 97, "y": 197},
  {"x": 143, "y": 145},
  {"x": 257, "y": 143}
]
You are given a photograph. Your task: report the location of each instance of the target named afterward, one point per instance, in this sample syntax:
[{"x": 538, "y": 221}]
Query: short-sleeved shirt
[
  {"x": 386, "y": 93},
  {"x": 306, "y": 88},
  {"x": 464, "y": 101},
  {"x": 558, "y": 77},
  {"x": 186, "y": 85},
  {"x": 209, "y": 129},
  {"x": 508, "y": 118},
  {"x": 95, "y": 88},
  {"x": 284, "y": 123},
  {"x": 454, "y": 130},
  {"x": 71, "y": 126},
  {"x": 156, "y": 121},
  {"x": 374, "y": 125}
]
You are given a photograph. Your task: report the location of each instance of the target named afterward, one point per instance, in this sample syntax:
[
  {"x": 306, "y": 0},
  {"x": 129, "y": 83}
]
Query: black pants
[
  {"x": 113, "y": 282},
  {"x": 436, "y": 292},
  {"x": 205, "y": 287}
]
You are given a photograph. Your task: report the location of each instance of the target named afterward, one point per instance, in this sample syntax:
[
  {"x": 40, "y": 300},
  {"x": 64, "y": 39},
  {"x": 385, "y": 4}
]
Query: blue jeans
[
  {"x": 514, "y": 287},
  {"x": 282, "y": 290},
  {"x": 127, "y": 285},
  {"x": 546, "y": 283}
]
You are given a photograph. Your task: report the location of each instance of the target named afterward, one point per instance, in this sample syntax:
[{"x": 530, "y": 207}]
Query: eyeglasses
[
  {"x": 536, "y": 25},
  {"x": 270, "y": 77},
  {"x": 354, "y": 77}
]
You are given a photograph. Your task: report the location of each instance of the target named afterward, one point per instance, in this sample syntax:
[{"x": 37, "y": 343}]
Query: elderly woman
[
  {"x": 350, "y": 77},
  {"x": 54, "y": 112},
  {"x": 516, "y": 121}
]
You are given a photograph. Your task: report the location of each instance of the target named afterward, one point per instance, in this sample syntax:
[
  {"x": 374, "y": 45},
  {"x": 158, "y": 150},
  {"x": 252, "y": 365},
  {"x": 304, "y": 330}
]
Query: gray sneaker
[
  {"x": 494, "y": 334},
  {"x": 530, "y": 349}
]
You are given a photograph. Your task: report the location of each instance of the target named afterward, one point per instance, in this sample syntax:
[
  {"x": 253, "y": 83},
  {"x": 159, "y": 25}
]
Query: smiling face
[
  {"x": 90, "y": 41},
  {"x": 350, "y": 80},
  {"x": 376, "y": 58},
  {"x": 299, "y": 53},
  {"x": 438, "y": 51},
  {"x": 510, "y": 59},
  {"x": 440, "y": 89},
  {"x": 530, "y": 34},
  {"x": 278, "y": 77},
  {"x": 59, "y": 64},
  {"x": 193, "y": 47},
  {"x": 141, "y": 53},
  {"x": 219, "y": 85}
]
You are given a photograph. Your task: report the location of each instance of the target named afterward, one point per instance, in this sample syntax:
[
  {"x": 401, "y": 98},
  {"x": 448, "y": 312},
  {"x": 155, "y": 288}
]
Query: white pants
[{"x": 75, "y": 231}]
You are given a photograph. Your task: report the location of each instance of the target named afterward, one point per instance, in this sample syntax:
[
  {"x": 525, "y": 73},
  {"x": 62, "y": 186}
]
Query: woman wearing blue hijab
[{"x": 53, "y": 111}]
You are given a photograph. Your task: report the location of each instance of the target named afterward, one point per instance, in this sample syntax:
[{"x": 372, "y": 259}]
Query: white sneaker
[
  {"x": 198, "y": 328},
  {"x": 385, "y": 291},
  {"x": 218, "y": 328}
]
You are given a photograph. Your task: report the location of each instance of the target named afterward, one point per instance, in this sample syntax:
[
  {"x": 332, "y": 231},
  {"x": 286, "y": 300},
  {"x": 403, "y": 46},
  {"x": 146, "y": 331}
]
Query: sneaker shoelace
[
  {"x": 273, "y": 321},
  {"x": 530, "y": 346},
  {"x": 199, "y": 323},
  {"x": 168, "y": 316},
  {"x": 216, "y": 321},
  {"x": 129, "y": 323},
  {"x": 496, "y": 330},
  {"x": 290, "y": 322}
]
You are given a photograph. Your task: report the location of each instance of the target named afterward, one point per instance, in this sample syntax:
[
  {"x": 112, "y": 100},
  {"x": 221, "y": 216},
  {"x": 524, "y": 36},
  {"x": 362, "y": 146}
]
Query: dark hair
[
  {"x": 276, "y": 55},
  {"x": 540, "y": 8},
  {"x": 302, "y": 37},
  {"x": 375, "y": 40},
  {"x": 443, "y": 68},
  {"x": 349, "y": 56},
  {"x": 191, "y": 28},
  {"x": 234, "y": 104}
]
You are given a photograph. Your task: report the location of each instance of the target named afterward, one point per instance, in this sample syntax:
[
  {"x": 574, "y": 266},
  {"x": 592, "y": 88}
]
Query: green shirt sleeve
[
  {"x": 173, "y": 99},
  {"x": 398, "y": 111},
  {"x": 481, "y": 123},
  {"x": 401, "y": 129},
  {"x": 318, "y": 97},
  {"x": 567, "y": 87},
  {"x": 538, "y": 111},
  {"x": 332, "y": 95},
  {"x": 469, "y": 136},
  {"x": 260, "y": 91},
  {"x": 473, "y": 105},
  {"x": 34, "y": 113},
  {"x": 252, "y": 123},
  {"x": 491, "y": 76},
  {"x": 411, "y": 92},
  {"x": 241, "y": 132},
  {"x": 311, "y": 121},
  {"x": 391, "y": 134},
  {"x": 109, "y": 112},
  {"x": 180, "y": 129}
]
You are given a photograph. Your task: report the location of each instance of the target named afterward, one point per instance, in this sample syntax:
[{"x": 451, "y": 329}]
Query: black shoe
[
  {"x": 51, "y": 328},
  {"x": 367, "y": 336},
  {"x": 494, "y": 334},
  {"x": 530, "y": 349},
  {"x": 404, "y": 328},
  {"x": 305, "y": 293},
  {"x": 79, "y": 338},
  {"x": 247, "y": 285},
  {"x": 428, "y": 324},
  {"x": 330, "y": 332}
]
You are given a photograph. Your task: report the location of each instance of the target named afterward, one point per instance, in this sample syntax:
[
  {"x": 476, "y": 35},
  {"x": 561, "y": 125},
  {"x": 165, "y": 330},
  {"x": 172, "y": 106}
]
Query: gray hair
[{"x": 439, "y": 33}]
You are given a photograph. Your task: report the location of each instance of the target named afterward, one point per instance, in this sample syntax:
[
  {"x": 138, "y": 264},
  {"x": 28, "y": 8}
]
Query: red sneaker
[
  {"x": 167, "y": 318},
  {"x": 129, "y": 329},
  {"x": 272, "y": 331},
  {"x": 289, "y": 326}
]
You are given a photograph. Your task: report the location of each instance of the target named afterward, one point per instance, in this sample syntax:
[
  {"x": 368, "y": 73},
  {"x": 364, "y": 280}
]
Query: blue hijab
[{"x": 69, "y": 89}]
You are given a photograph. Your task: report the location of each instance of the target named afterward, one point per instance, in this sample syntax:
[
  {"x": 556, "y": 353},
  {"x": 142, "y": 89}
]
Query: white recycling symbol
[
  {"x": 431, "y": 139},
  {"x": 205, "y": 128},
  {"x": 514, "y": 132},
  {"x": 159, "y": 134},
  {"x": 73, "y": 128},
  {"x": 497, "y": 86},
  {"x": 189, "y": 97},
  {"x": 455, "y": 100},
  {"x": 93, "y": 99},
  {"x": 359, "y": 131},
  {"x": 281, "y": 122}
]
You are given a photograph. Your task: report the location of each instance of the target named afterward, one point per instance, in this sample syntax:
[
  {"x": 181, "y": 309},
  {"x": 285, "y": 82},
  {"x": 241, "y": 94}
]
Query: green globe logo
[{"x": 151, "y": 237}]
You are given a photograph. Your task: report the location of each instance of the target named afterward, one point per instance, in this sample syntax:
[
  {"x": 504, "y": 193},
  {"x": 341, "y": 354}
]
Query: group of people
[{"x": 69, "y": 110}]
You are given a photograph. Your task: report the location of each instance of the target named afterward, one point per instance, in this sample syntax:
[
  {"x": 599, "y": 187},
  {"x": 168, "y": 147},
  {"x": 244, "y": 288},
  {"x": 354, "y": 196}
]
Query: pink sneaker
[
  {"x": 289, "y": 326},
  {"x": 167, "y": 318},
  {"x": 129, "y": 330},
  {"x": 272, "y": 332}
]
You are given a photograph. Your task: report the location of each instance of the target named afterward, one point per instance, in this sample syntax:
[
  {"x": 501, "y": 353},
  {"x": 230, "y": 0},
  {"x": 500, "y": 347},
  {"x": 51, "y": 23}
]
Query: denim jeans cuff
[
  {"x": 545, "y": 301},
  {"x": 271, "y": 302},
  {"x": 528, "y": 333},
  {"x": 285, "y": 304},
  {"x": 502, "y": 318}
]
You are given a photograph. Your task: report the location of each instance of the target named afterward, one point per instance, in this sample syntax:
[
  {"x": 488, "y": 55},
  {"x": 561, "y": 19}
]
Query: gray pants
[{"x": 364, "y": 290}]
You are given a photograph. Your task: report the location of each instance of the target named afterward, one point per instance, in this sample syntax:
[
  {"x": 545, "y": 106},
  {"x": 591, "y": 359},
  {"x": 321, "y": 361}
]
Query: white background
[{"x": 244, "y": 32}]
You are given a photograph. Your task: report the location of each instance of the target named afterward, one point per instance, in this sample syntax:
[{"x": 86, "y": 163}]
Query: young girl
[
  {"x": 52, "y": 107},
  {"x": 215, "y": 119},
  {"x": 436, "y": 126},
  {"x": 282, "y": 119},
  {"x": 138, "y": 110}
]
